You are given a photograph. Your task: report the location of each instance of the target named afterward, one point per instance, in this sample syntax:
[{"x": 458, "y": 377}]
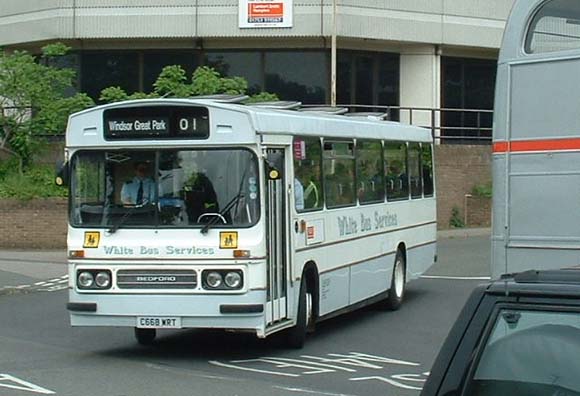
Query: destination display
[{"x": 156, "y": 122}]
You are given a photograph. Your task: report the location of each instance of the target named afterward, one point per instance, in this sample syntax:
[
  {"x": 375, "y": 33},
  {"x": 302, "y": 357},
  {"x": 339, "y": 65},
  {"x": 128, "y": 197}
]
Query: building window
[
  {"x": 100, "y": 70},
  {"x": 155, "y": 61},
  {"x": 468, "y": 84},
  {"x": 247, "y": 64},
  {"x": 367, "y": 78},
  {"x": 297, "y": 75}
]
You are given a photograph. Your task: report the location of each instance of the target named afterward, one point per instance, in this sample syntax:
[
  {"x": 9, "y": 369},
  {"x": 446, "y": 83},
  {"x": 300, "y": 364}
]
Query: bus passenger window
[
  {"x": 555, "y": 27},
  {"x": 339, "y": 174},
  {"x": 397, "y": 174},
  {"x": 369, "y": 172},
  {"x": 427, "y": 169},
  {"x": 415, "y": 170},
  {"x": 307, "y": 174}
]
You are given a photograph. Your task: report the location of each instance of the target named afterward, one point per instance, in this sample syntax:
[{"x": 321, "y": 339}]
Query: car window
[{"x": 530, "y": 353}]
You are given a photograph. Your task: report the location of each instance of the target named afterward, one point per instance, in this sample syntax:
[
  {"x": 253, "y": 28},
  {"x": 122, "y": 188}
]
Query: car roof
[{"x": 550, "y": 283}]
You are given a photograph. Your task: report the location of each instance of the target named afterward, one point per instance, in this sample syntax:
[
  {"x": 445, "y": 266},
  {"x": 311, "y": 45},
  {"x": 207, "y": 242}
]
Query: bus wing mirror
[{"x": 62, "y": 174}]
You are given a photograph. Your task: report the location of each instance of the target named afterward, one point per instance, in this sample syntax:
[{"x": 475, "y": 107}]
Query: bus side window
[
  {"x": 415, "y": 170},
  {"x": 339, "y": 174},
  {"x": 555, "y": 27},
  {"x": 307, "y": 174},
  {"x": 397, "y": 174},
  {"x": 427, "y": 169},
  {"x": 369, "y": 171}
]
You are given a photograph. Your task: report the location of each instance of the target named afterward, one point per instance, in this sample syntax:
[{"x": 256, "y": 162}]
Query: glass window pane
[
  {"x": 178, "y": 188},
  {"x": 297, "y": 75},
  {"x": 530, "y": 353},
  {"x": 427, "y": 169},
  {"x": 397, "y": 174},
  {"x": 415, "y": 170},
  {"x": 369, "y": 171},
  {"x": 239, "y": 64},
  {"x": 101, "y": 70},
  {"x": 308, "y": 174},
  {"x": 339, "y": 174},
  {"x": 154, "y": 62},
  {"x": 556, "y": 27}
]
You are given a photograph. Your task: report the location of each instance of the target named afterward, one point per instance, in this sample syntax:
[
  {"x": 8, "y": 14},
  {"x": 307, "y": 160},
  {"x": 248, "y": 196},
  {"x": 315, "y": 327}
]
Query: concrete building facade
[{"x": 406, "y": 53}]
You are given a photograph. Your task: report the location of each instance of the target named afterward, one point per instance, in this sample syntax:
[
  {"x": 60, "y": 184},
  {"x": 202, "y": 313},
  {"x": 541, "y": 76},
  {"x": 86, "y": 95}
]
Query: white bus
[
  {"x": 536, "y": 139},
  {"x": 199, "y": 213}
]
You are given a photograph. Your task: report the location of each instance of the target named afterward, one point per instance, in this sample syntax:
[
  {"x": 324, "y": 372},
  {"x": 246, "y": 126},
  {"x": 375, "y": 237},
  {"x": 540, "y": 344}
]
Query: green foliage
[
  {"x": 482, "y": 190},
  {"x": 456, "y": 221},
  {"x": 34, "y": 98},
  {"x": 35, "y": 182},
  {"x": 172, "y": 82}
]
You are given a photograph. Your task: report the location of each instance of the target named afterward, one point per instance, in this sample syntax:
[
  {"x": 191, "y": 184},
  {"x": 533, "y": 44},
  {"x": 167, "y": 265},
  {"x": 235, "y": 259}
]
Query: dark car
[{"x": 519, "y": 335}]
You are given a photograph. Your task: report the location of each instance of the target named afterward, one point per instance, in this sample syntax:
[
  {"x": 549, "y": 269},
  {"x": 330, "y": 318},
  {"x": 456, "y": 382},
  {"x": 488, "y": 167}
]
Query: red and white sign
[{"x": 265, "y": 13}]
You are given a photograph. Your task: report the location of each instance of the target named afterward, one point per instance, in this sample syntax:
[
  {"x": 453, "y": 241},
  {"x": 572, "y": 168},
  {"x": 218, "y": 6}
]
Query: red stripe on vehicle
[{"x": 537, "y": 145}]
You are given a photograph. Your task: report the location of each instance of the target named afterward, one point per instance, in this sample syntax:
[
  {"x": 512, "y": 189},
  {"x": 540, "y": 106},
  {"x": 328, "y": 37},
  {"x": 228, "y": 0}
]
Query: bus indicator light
[{"x": 241, "y": 253}]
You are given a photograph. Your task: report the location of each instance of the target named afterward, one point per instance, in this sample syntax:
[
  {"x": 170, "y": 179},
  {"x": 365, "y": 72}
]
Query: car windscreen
[
  {"x": 164, "y": 188},
  {"x": 530, "y": 352}
]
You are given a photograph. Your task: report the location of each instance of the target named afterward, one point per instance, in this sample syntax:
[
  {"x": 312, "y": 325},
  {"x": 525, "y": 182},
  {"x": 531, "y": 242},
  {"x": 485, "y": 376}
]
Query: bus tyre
[
  {"x": 145, "y": 336},
  {"x": 397, "y": 290},
  {"x": 297, "y": 334}
]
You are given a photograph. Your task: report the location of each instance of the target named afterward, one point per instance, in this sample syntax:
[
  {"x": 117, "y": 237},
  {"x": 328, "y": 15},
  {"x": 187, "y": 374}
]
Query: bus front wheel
[
  {"x": 145, "y": 336},
  {"x": 397, "y": 289},
  {"x": 297, "y": 335}
]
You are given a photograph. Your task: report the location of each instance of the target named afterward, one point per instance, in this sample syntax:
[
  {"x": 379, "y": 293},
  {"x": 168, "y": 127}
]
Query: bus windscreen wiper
[
  {"x": 218, "y": 216},
  {"x": 125, "y": 216}
]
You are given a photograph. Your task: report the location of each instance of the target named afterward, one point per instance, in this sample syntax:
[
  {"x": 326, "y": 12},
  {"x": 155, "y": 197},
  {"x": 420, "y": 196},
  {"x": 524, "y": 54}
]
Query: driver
[{"x": 141, "y": 189}]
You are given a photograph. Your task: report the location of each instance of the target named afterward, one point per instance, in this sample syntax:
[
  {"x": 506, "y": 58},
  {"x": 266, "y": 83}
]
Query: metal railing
[{"x": 447, "y": 125}]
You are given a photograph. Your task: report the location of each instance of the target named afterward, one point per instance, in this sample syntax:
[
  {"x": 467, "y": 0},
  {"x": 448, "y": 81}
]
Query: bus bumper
[{"x": 231, "y": 312}]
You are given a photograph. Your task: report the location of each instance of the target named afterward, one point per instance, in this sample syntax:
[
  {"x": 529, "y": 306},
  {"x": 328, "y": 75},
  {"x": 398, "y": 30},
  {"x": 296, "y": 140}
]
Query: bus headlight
[
  {"x": 103, "y": 280},
  {"x": 222, "y": 279},
  {"x": 214, "y": 279},
  {"x": 233, "y": 280},
  {"x": 85, "y": 280},
  {"x": 94, "y": 279}
]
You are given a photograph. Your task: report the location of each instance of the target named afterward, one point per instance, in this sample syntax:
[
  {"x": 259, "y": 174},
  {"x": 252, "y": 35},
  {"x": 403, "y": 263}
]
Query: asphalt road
[{"x": 368, "y": 352}]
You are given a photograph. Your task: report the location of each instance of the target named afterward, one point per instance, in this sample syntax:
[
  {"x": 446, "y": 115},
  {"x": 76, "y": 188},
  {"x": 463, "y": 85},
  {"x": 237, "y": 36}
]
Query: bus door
[{"x": 277, "y": 236}]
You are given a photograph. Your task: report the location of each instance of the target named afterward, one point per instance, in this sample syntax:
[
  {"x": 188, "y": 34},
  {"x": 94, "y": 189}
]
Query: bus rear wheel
[
  {"x": 398, "y": 281},
  {"x": 145, "y": 336},
  {"x": 296, "y": 336}
]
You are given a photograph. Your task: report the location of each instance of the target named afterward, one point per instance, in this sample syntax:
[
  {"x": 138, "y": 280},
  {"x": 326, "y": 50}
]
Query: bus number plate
[{"x": 158, "y": 322}]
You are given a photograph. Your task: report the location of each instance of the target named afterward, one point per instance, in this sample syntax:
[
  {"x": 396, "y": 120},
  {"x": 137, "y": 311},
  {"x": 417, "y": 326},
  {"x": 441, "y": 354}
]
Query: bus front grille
[{"x": 157, "y": 279}]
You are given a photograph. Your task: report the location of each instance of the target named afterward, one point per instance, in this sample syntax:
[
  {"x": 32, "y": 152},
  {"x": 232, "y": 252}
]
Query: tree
[
  {"x": 172, "y": 82},
  {"x": 34, "y": 99}
]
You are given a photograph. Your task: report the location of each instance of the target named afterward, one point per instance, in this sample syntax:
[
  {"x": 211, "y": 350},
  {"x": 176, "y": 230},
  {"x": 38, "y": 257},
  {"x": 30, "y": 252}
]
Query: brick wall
[
  {"x": 458, "y": 168},
  {"x": 36, "y": 224},
  {"x": 42, "y": 223}
]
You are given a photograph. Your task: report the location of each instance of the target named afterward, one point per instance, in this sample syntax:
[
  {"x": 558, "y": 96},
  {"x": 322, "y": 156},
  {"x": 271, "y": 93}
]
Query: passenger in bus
[
  {"x": 200, "y": 197},
  {"x": 141, "y": 189}
]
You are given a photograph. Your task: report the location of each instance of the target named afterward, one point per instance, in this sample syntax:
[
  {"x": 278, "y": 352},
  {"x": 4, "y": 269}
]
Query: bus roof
[{"x": 259, "y": 120}]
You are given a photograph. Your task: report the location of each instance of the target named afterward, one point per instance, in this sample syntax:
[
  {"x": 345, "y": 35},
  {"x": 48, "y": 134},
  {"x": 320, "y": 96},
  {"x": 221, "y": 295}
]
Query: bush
[
  {"x": 456, "y": 221},
  {"x": 36, "y": 181},
  {"x": 482, "y": 190}
]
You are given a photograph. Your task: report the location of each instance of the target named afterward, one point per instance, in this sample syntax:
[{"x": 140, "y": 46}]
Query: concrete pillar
[{"x": 420, "y": 85}]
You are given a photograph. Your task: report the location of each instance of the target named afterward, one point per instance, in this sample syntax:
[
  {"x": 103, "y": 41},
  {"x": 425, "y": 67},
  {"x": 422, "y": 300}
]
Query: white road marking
[
  {"x": 387, "y": 380},
  {"x": 216, "y": 363},
  {"x": 302, "y": 391},
  {"x": 10, "y": 382},
  {"x": 456, "y": 277}
]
